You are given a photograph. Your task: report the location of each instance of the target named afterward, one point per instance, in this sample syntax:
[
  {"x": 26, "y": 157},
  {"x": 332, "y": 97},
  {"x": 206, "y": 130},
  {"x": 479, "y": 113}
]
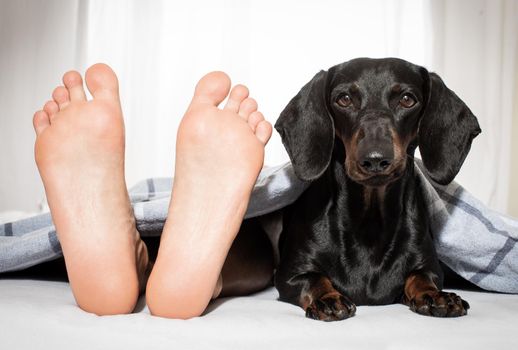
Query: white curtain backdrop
[
  {"x": 475, "y": 50},
  {"x": 159, "y": 49}
]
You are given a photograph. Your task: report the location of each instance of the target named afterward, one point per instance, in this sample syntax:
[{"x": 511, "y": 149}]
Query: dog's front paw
[
  {"x": 439, "y": 304},
  {"x": 331, "y": 307}
]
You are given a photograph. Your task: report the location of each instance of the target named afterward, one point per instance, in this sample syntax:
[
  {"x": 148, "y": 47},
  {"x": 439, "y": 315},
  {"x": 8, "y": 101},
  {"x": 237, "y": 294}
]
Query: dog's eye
[
  {"x": 344, "y": 100},
  {"x": 407, "y": 101}
]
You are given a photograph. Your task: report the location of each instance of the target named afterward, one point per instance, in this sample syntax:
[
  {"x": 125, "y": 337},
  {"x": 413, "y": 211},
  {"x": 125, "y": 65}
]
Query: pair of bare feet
[{"x": 80, "y": 156}]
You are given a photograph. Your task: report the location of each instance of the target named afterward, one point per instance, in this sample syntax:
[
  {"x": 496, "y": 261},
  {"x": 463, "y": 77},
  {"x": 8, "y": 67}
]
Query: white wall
[
  {"x": 475, "y": 50},
  {"x": 37, "y": 44},
  {"x": 513, "y": 160},
  {"x": 160, "y": 48},
  {"x": 272, "y": 46}
]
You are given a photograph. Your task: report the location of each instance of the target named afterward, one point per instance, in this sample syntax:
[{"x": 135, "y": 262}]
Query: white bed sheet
[{"x": 36, "y": 314}]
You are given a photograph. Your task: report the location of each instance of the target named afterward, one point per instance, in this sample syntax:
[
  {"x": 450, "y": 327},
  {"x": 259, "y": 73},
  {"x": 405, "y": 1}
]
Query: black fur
[
  {"x": 366, "y": 230},
  {"x": 445, "y": 132},
  {"x": 307, "y": 115}
]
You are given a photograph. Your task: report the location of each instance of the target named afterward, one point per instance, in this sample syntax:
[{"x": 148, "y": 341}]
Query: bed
[
  {"x": 37, "y": 308},
  {"x": 41, "y": 313}
]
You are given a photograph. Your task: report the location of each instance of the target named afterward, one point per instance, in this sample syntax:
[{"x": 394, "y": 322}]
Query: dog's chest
[
  {"x": 372, "y": 260},
  {"x": 366, "y": 280}
]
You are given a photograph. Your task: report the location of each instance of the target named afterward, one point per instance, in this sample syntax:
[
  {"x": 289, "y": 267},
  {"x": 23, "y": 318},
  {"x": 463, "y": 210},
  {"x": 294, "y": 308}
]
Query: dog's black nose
[{"x": 375, "y": 162}]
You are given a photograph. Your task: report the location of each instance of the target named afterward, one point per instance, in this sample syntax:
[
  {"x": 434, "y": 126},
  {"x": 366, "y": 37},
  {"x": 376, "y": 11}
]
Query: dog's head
[{"x": 381, "y": 110}]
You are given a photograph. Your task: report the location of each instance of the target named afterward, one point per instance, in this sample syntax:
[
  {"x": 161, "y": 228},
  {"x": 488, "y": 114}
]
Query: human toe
[
  {"x": 255, "y": 118},
  {"x": 61, "y": 96},
  {"x": 74, "y": 83},
  {"x": 238, "y": 94},
  {"x": 212, "y": 89},
  {"x": 263, "y": 131},
  {"x": 40, "y": 121},
  {"x": 102, "y": 82},
  {"x": 247, "y": 107},
  {"x": 51, "y": 108}
]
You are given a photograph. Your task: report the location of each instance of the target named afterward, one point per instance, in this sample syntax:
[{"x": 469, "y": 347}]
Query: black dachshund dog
[{"x": 359, "y": 235}]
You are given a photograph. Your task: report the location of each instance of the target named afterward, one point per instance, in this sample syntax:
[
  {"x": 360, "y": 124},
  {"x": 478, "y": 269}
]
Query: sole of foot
[
  {"x": 219, "y": 154},
  {"x": 79, "y": 152}
]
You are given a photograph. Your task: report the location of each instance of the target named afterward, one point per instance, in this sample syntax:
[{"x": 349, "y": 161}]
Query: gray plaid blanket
[{"x": 477, "y": 243}]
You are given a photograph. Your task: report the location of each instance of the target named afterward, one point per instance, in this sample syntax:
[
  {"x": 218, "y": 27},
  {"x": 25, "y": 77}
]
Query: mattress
[
  {"x": 42, "y": 314},
  {"x": 38, "y": 311}
]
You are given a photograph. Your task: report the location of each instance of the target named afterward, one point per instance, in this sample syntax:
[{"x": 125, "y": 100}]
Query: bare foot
[
  {"x": 80, "y": 155},
  {"x": 219, "y": 154}
]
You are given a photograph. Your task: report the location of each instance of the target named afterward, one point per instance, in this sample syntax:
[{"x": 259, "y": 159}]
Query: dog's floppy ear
[
  {"x": 307, "y": 129},
  {"x": 446, "y": 130}
]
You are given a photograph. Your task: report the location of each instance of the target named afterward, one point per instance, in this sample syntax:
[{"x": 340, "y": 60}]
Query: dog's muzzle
[{"x": 375, "y": 147}]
